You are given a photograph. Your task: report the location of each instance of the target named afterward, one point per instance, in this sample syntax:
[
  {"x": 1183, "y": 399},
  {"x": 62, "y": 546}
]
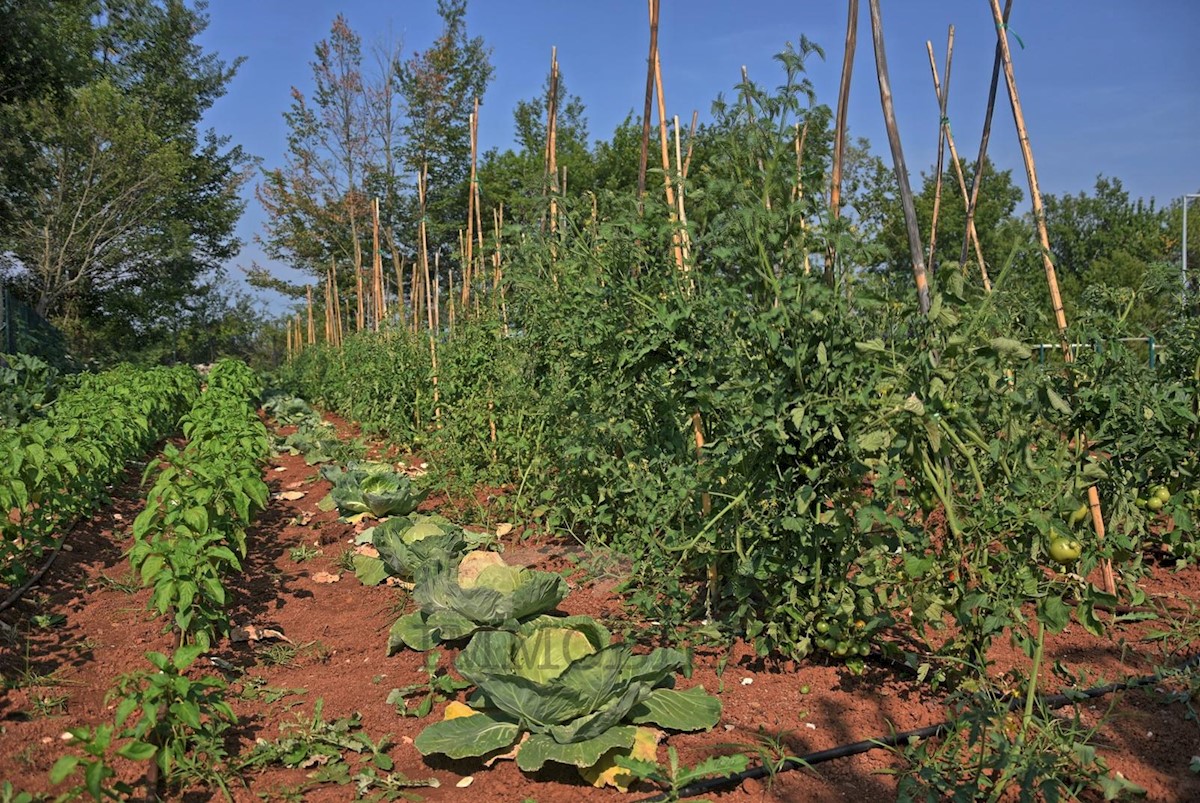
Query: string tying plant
[{"x": 1003, "y": 26}]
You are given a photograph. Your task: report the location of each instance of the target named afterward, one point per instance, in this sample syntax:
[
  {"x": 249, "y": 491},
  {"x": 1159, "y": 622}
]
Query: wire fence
[{"x": 24, "y": 331}]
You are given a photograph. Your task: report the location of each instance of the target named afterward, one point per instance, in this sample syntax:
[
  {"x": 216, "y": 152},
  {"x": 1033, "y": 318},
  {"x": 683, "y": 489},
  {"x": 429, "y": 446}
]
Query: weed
[
  {"x": 672, "y": 777},
  {"x": 438, "y": 687},
  {"x": 345, "y": 561},
  {"x": 50, "y": 705},
  {"x": 47, "y": 621},
  {"x": 128, "y": 584},
  {"x": 257, "y": 688},
  {"x": 302, "y": 553}
]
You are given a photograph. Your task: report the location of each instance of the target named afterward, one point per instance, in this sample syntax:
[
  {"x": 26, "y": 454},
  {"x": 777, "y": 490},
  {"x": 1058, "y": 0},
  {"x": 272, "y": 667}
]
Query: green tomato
[
  {"x": 841, "y": 648},
  {"x": 1142, "y": 503},
  {"x": 1065, "y": 550},
  {"x": 1080, "y": 514},
  {"x": 825, "y": 644},
  {"x": 822, "y": 627},
  {"x": 864, "y": 650},
  {"x": 805, "y": 689},
  {"x": 1154, "y": 503},
  {"x": 1161, "y": 493}
]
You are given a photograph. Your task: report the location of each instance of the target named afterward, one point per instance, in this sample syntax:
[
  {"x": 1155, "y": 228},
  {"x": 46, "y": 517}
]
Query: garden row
[
  {"x": 189, "y": 538},
  {"x": 60, "y": 463},
  {"x": 546, "y": 688}
]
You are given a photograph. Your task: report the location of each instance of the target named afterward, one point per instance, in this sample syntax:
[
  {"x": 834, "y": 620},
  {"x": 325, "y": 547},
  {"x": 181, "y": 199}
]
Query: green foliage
[
  {"x": 986, "y": 753},
  {"x": 673, "y": 777},
  {"x": 121, "y": 210},
  {"x": 27, "y": 385}
]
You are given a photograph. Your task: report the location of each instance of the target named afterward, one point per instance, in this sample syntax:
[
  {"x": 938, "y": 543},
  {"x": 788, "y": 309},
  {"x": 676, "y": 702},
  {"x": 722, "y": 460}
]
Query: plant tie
[{"x": 1003, "y": 26}]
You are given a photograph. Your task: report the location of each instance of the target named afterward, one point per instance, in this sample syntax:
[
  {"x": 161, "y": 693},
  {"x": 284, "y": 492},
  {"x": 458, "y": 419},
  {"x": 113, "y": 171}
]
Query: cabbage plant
[
  {"x": 414, "y": 546},
  {"x": 481, "y": 592},
  {"x": 371, "y": 487},
  {"x": 560, "y": 690}
]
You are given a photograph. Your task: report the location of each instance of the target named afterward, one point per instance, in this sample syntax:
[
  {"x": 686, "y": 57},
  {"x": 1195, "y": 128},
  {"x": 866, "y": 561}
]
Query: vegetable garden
[{"x": 671, "y": 495}]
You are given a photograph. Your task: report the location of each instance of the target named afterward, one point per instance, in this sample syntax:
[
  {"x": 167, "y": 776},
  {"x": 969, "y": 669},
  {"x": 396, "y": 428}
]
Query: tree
[
  {"x": 439, "y": 87},
  {"x": 127, "y": 205},
  {"x": 1113, "y": 255}
]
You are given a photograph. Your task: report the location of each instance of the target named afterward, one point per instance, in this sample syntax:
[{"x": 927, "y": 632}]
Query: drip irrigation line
[
  {"x": 15, "y": 596},
  {"x": 1050, "y": 701}
]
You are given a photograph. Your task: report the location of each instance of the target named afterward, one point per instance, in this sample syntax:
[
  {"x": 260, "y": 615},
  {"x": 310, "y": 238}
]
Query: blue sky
[{"x": 1108, "y": 86}]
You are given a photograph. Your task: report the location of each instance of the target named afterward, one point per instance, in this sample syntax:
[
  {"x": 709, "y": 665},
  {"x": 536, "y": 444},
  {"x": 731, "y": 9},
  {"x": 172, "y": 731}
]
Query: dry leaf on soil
[
  {"x": 254, "y": 633},
  {"x": 325, "y": 577},
  {"x": 503, "y": 529},
  {"x": 366, "y": 549},
  {"x": 290, "y": 496}
]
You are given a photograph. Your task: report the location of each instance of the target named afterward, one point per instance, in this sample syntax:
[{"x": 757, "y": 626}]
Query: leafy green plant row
[
  {"x": 61, "y": 464},
  {"x": 190, "y": 535},
  {"x": 192, "y": 531}
]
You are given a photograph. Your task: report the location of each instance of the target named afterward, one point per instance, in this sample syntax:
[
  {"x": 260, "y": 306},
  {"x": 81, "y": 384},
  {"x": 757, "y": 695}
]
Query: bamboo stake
[
  {"x": 337, "y": 305},
  {"x": 467, "y": 264},
  {"x": 943, "y": 98},
  {"x": 376, "y": 265},
  {"x": 312, "y": 334},
  {"x": 651, "y": 65},
  {"x": 398, "y": 267},
  {"x": 1039, "y": 214},
  {"x": 422, "y": 236},
  {"x": 972, "y": 235},
  {"x": 668, "y": 186},
  {"x": 906, "y": 198},
  {"x": 839, "y": 136},
  {"x": 798, "y": 188},
  {"x": 328, "y": 309},
  {"x": 552, "y": 141},
  {"x": 977, "y": 178},
  {"x": 685, "y": 244},
  {"x": 288, "y": 329},
  {"x": 687, "y": 160}
]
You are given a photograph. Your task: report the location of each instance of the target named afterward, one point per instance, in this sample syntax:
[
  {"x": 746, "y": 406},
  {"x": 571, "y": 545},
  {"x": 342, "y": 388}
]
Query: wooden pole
[
  {"x": 651, "y": 66},
  {"x": 376, "y": 266},
  {"x": 467, "y": 251},
  {"x": 839, "y": 136},
  {"x": 685, "y": 243},
  {"x": 551, "y": 174},
  {"x": 972, "y": 235},
  {"x": 943, "y": 98},
  {"x": 1039, "y": 215},
  {"x": 687, "y": 159},
  {"x": 977, "y": 178},
  {"x": 666, "y": 161},
  {"x": 906, "y": 198},
  {"x": 312, "y": 334}
]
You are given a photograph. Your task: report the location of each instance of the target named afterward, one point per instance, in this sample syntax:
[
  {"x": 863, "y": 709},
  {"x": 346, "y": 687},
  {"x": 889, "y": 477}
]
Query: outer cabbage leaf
[
  {"x": 541, "y": 748},
  {"x": 688, "y": 710},
  {"x": 463, "y": 737}
]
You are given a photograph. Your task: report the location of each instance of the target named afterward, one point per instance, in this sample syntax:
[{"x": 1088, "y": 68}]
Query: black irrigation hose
[
  {"x": 32, "y": 581},
  {"x": 1051, "y": 701}
]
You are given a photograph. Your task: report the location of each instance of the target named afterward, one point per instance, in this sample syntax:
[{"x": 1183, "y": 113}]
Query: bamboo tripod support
[
  {"x": 943, "y": 98},
  {"x": 1039, "y": 214},
  {"x": 906, "y": 198},
  {"x": 839, "y": 135},
  {"x": 972, "y": 235},
  {"x": 977, "y": 178}
]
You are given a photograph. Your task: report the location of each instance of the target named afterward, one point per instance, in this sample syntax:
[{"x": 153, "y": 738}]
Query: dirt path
[{"x": 337, "y": 655}]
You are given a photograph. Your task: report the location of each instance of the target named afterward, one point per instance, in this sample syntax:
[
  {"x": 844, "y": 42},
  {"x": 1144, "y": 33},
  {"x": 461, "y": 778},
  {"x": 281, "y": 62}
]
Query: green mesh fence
[{"x": 23, "y": 331}]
